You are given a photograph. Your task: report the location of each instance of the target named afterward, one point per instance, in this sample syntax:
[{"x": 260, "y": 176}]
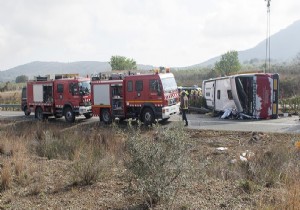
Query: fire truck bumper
[
  {"x": 85, "y": 109},
  {"x": 170, "y": 110}
]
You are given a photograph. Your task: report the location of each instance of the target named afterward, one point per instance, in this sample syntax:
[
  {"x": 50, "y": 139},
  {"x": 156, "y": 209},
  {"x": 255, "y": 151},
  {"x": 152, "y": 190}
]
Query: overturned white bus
[{"x": 254, "y": 95}]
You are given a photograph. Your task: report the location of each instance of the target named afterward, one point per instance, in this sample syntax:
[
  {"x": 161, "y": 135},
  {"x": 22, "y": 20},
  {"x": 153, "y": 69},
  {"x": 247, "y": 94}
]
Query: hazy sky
[{"x": 155, "y": 32}]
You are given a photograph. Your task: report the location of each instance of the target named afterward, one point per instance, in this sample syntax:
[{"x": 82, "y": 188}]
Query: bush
[
  {"x": 156, "y": 164},
  {"x": 269, "y": 167},
  {"x": 87, "y": 167},
  {"x": 52, "y": 147},
  {"x": 6, "y": 177}
]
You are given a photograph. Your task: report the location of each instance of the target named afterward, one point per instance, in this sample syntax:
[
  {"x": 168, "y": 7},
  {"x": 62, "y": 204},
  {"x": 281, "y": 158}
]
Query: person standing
[{"x": 184, "y": 105}]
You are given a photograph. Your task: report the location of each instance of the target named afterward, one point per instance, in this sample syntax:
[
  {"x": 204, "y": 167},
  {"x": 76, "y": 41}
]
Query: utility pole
[{"x": 268, "y": 39}]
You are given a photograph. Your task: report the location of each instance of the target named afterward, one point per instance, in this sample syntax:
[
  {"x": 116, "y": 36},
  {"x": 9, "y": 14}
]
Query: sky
[{"x": 171, "y": 33}]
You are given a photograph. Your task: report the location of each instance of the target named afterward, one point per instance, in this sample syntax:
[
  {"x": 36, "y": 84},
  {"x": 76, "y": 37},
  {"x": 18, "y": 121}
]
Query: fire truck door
[
  {"x": 59, "y": 95},
  {"x": 139, "y": 92},
  {"x": 129, "y": 93}
]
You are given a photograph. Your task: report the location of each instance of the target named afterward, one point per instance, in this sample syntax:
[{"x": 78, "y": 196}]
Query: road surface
[{"x": 201, "y": 121}]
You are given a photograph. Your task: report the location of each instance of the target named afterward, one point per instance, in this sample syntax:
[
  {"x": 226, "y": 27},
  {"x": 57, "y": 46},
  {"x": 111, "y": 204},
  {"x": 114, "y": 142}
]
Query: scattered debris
[
  {"x": 246, "y": 156},
  {"x": 222, "y": 148}
]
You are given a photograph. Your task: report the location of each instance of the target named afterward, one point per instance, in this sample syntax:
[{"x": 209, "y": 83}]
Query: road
[
  {"x": 201, "y": 121},
  {"x": 280, "y": 125}
]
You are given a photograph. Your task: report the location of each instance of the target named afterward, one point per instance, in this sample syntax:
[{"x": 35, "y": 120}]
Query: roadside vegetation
[
  {"x": 114, "y": 167},
  {"x": 10, "y": 93}
]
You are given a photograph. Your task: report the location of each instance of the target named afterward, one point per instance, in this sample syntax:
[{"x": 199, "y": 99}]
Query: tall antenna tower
[{"x": 268, "y": 39}]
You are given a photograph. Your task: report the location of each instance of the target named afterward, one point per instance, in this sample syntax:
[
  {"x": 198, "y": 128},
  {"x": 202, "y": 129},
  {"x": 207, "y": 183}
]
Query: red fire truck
[
  {"x": 143, "y": 96},
  {"x": 63, "y": 95}
]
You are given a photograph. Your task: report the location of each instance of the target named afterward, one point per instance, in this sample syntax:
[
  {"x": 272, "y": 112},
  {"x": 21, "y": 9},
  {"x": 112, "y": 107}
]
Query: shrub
[
  {"x": 87, "y": 167},
  {"x": 50, "y": 146},
  {"x": 269, "y": 167},
  {"x": 6, "y": 177},
  {"x": 156, "y": 163}
]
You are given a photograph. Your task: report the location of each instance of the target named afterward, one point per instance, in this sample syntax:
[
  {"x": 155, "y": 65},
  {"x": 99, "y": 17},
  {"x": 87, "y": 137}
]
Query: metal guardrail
[{"x": 10, "y": 107}]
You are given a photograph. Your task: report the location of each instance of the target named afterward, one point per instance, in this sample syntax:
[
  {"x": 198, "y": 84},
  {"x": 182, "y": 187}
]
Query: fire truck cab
[
  {"x": 143, "y": 96},
  {"x": 64, "y": 95}
]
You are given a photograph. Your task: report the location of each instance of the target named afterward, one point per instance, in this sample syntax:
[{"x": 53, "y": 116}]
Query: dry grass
[
  {"x": 83, "y": 166},
  {"x": 6, "y": 176},
  {"x": 10, "y": 97}
]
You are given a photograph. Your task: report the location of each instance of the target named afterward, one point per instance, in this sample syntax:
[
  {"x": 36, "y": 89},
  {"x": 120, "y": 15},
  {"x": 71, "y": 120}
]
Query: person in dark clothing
[{"x": 184, "y": 105}]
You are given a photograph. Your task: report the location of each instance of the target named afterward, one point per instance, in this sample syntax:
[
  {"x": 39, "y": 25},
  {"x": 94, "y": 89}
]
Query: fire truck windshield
[
  {"x": 169, "y": 84},
  {"x": 84, "y": 88}
]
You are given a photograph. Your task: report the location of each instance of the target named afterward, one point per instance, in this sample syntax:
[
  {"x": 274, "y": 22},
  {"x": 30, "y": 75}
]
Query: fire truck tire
[
  {"x": 88, "y": 115},
  {"x": 106, "y": 116},
  {"x": 69, "y": 115},
  {"x": 39, "y": 113},
  {"x": 148, "y": 116},
  {"x": 26, "y": 111}
]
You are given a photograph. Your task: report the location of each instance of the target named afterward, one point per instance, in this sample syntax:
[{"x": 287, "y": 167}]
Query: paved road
[
  {"x": 200, "y": 121},
  {"x": 280, "y": 125}
]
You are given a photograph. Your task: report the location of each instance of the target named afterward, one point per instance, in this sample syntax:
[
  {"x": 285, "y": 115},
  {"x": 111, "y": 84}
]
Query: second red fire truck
[{"x": 144, "y": 96}]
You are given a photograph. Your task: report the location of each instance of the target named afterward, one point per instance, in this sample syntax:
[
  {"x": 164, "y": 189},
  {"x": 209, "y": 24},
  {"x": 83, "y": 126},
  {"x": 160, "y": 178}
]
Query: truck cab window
[
  {"x": 154, "y": 85},
  {"x": 73, "y": 88},
  {"x": 139, "y": 85},
  {"x": 60, "y": 88},
  {"x": 129, "y": 86}
]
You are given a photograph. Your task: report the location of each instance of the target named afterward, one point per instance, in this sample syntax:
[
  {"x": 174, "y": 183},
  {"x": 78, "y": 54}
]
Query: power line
[{"x": 268, "y": 39}]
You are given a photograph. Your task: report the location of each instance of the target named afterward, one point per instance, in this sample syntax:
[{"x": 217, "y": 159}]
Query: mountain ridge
[{"x": 284, "y": 47}]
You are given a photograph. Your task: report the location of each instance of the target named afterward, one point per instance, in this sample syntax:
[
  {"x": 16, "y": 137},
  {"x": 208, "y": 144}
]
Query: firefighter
[{"x": 184, "y": 103}]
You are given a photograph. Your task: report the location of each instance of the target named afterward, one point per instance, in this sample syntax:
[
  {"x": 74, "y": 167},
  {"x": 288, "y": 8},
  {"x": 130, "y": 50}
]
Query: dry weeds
[{"x": 92, "y": 156}]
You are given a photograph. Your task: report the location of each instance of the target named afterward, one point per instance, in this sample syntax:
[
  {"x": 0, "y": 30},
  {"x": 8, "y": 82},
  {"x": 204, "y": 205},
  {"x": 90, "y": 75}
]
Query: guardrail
[{"x": 10, "y": 107}]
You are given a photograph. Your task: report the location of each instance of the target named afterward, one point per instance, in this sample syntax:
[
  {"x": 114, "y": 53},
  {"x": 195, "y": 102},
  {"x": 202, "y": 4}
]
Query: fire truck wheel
[
  {"x": 106, "y": 116},
  {"x": 26, "y": 111},
  {"x": 69, "y": 115},
  {"x": 148, "y": 116},
  {"x": 39, "y": 113},
  {"x": 88, "y": 115}
]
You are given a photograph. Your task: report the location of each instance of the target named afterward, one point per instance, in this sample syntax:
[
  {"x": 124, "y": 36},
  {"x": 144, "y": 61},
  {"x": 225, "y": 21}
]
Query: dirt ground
[{"x": 216, "y": 183}]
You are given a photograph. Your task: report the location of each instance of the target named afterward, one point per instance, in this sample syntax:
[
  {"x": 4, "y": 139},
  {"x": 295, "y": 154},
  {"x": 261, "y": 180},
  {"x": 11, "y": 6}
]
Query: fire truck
[
  {"x": 61, "y": 95},
  {"x": 146, "y": 97}
]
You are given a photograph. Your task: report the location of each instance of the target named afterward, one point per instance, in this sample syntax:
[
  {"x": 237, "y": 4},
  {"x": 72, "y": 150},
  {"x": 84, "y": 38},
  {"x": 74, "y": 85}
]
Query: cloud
[{"x": 169, "y": 32}]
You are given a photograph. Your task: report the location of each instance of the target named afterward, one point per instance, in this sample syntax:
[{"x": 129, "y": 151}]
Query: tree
[
  {"x": 21, "y": 79},
  {"x": 122, "y": 63},
  {"x": 228, "y": 64}
]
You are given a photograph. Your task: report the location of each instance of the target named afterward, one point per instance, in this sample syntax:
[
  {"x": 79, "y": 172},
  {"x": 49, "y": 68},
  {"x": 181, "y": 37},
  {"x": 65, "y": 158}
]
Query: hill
[
  {"x": 83, "y": 68},
  {"x": 284, "y": 47}
]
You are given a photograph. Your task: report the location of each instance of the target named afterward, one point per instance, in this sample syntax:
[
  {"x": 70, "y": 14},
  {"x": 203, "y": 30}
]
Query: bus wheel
[
  {"x": 106, "y": 116},
  {"x": 148, "y": 116},
  {"x": 39, "y": 113},
  {"x": 69, "y": 115}
]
